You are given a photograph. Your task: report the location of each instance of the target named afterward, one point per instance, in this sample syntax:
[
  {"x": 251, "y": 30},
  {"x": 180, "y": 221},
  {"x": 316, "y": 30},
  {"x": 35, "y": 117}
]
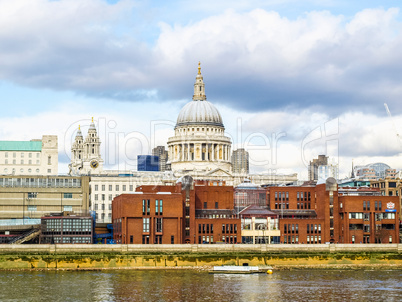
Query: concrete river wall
[{"x": 84, "y": 256}]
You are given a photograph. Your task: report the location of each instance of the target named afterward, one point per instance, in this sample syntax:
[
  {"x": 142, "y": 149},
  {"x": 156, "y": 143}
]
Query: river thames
[{"x": 192, "y": 285}]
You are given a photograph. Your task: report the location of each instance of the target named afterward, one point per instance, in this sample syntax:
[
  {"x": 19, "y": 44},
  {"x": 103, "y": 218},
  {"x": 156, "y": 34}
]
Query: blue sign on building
[{"x": 390, "y": 210}]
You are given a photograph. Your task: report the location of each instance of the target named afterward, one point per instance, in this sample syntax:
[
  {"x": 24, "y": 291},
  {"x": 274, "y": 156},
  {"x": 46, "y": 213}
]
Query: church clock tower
[{"x": 85, "y": 154}]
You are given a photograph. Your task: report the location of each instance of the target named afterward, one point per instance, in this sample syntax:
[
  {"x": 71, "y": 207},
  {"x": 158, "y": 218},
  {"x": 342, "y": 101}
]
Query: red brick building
[
  {"x": 199, "y": 212},
  {"x": 322, "y": 213}
]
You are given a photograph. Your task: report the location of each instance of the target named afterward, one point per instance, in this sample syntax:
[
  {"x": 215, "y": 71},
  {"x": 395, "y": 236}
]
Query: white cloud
[
  {"x": 290, "y": 76},
  {"x": 95, "y": 48}
]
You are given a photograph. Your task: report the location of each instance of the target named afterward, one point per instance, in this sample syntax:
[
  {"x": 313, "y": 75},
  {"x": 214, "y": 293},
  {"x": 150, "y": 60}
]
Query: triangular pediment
[{"x": 219, "y": 172}]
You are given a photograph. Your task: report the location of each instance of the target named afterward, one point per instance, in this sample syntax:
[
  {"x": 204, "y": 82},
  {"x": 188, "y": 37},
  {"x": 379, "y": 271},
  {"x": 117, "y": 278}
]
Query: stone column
[{"x": 206, "y": 151}]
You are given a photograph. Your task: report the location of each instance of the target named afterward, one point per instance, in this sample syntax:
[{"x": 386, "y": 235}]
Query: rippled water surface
[{"x": 189, "y": 285}]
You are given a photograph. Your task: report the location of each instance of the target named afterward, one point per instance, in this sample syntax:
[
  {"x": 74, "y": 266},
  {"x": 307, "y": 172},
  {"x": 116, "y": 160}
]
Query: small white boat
[{"x": 233, "y": 269}]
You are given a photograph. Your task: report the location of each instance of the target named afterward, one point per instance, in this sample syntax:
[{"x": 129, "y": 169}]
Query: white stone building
[
  {"x": 34, "y": 157},
  {"x": 199, "y": 143},
  {"x": 85, "y": 154}
]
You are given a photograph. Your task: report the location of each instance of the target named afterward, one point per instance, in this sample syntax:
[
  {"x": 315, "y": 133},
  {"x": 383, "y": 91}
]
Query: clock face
[{"x": 94, "y": 164}]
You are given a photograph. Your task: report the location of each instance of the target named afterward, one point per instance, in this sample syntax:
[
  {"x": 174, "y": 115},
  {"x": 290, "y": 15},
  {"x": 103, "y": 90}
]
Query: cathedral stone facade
[
  {"x": 199, "y": 143},
  {"x": 85, "y": 154}
]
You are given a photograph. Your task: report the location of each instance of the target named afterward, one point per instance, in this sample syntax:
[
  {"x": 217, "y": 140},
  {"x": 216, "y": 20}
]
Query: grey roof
[{"x": 199, "y": 112}]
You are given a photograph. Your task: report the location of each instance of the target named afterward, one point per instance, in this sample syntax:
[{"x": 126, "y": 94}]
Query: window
[
  {"x": 131, "y": 187},
  {"x": 110, "y": 187},
  {"x": 32, "y": 195},
  {"x": 160, "y": 207},
  {"x": 96, "y": 187},
  {"x": 103, "y": 187},
  {"x": 368, "y": 205},
  {"x": 172, "y": 239},
  {"x": 124, "y": 187},
  {"x": 276, "y": 196},
  {"x": 156, "y": 206},
  {"x": 68, "y": 208},
  {"x": 96, "y": 196},
  {"x": 379, "y": 206},
  {"x": 22, "y": 161},
  {"x": 298, "y": 196},
  {"x": 205, "y": 204},
  {"x": 103, "y": 197},
  {"x": 146, "y": 205},
  {"x": 145, "y": 225},
  {"x": 49, "y": 160},
  {"x": 110, "y": 206},
  {"x": 145, "y": 239},
  {"x": 308, "y": 229},
  {"x": 110, "y": 197},
  {"x": 364, "y": 205},
  {"x": 103, "y": 206},
  {"x": 375, "y": 206},
  {"x": 117, "y": 187},
  {"x": 216, "y": 205},
  {"x": 32, "y": 208},
  {"x": 355, "y": 215},
  {"x": 131, "y": 239},
  {"x": 159, "y": 225},
  {"x": 68, "y": 195},
  {"x": 96, "y": 206}
]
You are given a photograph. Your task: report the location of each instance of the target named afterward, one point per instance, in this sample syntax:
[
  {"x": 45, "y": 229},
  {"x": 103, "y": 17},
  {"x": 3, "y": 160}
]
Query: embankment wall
[{"x": 65, "y": 256}]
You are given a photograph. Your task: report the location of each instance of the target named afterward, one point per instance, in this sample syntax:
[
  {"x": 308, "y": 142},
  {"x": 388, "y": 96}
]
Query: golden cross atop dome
[
  {"x": 92, "y": 119},
  {"x": 79, "y": 127},
  {"x": 199, "y": 67}
]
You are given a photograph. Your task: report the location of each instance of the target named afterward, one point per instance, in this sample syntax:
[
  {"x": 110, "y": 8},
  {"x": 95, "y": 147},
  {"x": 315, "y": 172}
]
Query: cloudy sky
[{"x": 292, "y": 79}]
